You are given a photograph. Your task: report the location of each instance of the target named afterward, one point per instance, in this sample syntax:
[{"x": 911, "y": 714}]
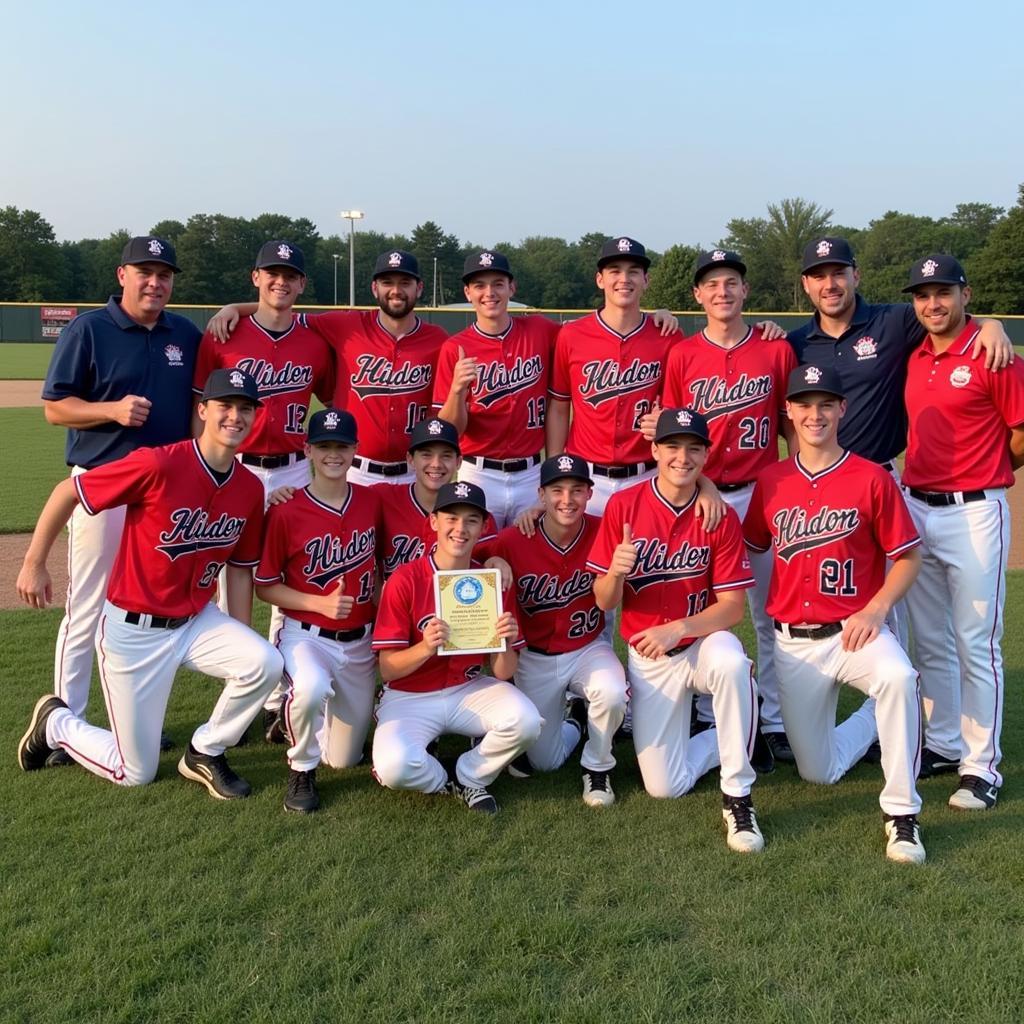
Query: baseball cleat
[
  {"x": 166, "y": 743},
  {"x": 520, "y": 768},
  {"x": 873, "y": 755},
  {"x": 59, "y": 758},
  {"x": 742, "y": 833},
  {"x": 974, "y": 794},
  {"x": 213, "y": 772},
  {"x": 302, "y": 794},
  {"x": 762, "y": 760},
  {"x": 273, "y": 726},
  {"x": 936, "y": 764},
  {"x": 903, "y": 835},
  {"x": 576, "y": 712},
  {"x": 33, "y": 750},
  {"x": 597, "y": 788},
  {"x": 778, "y": 744},
  {"x": 476, "y": 798}
]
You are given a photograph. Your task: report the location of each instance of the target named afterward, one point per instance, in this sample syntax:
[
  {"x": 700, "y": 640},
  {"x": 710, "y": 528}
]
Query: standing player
[
  {"x": 736, "y": 379},
  {"x": 426, "y": 694},
  {"x": 120, "y": 378},
  {"x": 319, "y": 567},
  {"x": 563, "y": 628},
  {"x": 966, "y": 439},
  {"x": 189, "y": 509},
  {"x": 681, "y": 590},
  {"x": 831, "y": 520}
]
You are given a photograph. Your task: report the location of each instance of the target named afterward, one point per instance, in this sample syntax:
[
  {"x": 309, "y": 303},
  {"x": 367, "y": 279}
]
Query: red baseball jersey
[
  {"x": 406, "y": 533},
  {"x": 506, "y": 405},
  {"x": 612, "y": 381},
  {"x": 180, "y": 526},
  {"x": 554, "y": 587},
  {"x": 742, "y": 393},
  {"x": 960, "y": 417},
  {"x": 387, "y": 383},
  {"x": 830, "y": 533},
  {"x": 406, "y": 606},
  {"x": 312, "y": 547},
  {"x": 679, "y": 566},
  {"x": 289, "y": 371}
]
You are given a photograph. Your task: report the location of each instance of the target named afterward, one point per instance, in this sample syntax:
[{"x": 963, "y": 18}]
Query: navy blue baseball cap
[
  {"x": 279, "y": 253},
  {"x": 806, "y": 379},
  {"x": 673, "y": 422},
  {"x": 827, "y": 250},
  {"x": 936, "y": 269},
  {"x": 558, "y": 467},
  {"x": 149, "y": 249},
  {"x": 434, "y": 431},
  {"x": 623, "y": 249},
  {"x": 461, "y": 493},
  {"x": 397, "y": 261},
  {"x": 230, "y": 382},
  {"x": 484, "y": 260},
  {"x": 715, "y": 258},
  {"x": 331, "y": 425}
]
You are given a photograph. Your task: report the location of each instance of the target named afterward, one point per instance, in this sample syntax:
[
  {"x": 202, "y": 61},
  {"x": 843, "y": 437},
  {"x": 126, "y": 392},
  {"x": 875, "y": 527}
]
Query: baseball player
[
  {"x": 319, "y": 567},
  {"x": 831, "y": 519},
  {"x": 966, "y": 439},
  {"x": 563, "y": 629},
  {"x": 426, "y": 694},
  {"x": 736, "y": 379},
  {"x": 681, "y": 589},
  {"x": 190, "y": 508},
  {"x": 120, "y": 378},
  {"x": 385, "y": 361}
]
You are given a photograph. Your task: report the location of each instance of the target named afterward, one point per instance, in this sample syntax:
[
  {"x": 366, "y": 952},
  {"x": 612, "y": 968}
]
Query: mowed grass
[
  {"x": 31, "y": 463},
  {"x": 24, "y": 360},
  {"x": 160, "y": 904}
]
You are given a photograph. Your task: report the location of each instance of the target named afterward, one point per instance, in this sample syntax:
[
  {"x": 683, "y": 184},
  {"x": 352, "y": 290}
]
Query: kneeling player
[
  {"x": 831, "y": 519},
  {"x": 319, "y": 567},
  {"x": 681, "y": 590},
  {"x": 427, "y": 694},
  {"x": 190, "y": 508},
  {"x": 565, "y": 649}
]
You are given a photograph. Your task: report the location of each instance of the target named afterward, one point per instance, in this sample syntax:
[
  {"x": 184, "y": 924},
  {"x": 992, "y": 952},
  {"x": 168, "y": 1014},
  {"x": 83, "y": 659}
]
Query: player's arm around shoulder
[{"x": 994, "y": 342}]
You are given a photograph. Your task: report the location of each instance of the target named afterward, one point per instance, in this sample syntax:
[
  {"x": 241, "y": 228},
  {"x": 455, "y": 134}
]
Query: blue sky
[{"x": 498, "y": 121}]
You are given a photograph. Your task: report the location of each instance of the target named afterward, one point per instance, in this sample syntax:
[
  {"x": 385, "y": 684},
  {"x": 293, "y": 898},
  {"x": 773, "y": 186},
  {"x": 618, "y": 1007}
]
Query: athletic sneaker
[
  {"x": 778, "y": 744},
  {"x": 903, "y": 839},
  {"x": 597, "y": 788},
  {"x": 576, "y": 712},
  {"x": 33, "y": 750},
  {"x": 273, "y": 726},
  {"x": 59, "y": 758},
  {"x": 762, "y": 760},
  {"x": 974, "y": 794},
  {"x": 476, "y": 798},
  {"x": 302, "y": 794},
  {"x": 214, "y": 773},
  {"x": 936, "y": 764},
  {"x": 742, "y": 833}
]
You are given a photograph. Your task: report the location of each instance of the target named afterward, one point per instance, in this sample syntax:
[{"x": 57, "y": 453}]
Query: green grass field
[
  {"x": 24, "y": 360},
  {"x": 31, "y": 463}
]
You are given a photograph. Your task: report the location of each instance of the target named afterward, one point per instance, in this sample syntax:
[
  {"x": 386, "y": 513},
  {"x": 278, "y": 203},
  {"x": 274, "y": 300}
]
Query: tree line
[{"x": 216, "y": 253}]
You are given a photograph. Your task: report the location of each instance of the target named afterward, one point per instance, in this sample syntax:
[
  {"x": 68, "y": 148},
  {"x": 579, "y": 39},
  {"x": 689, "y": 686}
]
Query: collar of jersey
[
  {"x": 746, "y": 337},
  {"x": 615, "y": 333},
  {"x": 330, "y": 508},
  {"x": 259, "y": 327},
  {"x": 383, "y": 329},
  {"x": 496, "y": 337},
  {"x": 572, "y": 543},
  {"x": 822, "y": 472},
  {"x": 676, "y": 510},
  {"x": 208, "y": 469}
]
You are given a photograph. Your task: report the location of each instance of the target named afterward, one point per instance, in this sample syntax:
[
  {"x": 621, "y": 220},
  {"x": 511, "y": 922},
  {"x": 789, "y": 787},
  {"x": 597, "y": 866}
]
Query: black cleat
[
  {"x": 520, "y": 768},
  {"x": 873, "y": 755},
  {"x": 936, "y": 764},
  {"x": 302, "y": 795},
  {"x": 476, "y": 798},
  {"x": 60, "y": 758},
  {"x": 33, "y": 750},
  {"x": 166, "y": 743},
  {"x": 762, "y": 760},
  {"x": 213, "y": 772},
  {"x": 974, "y": 794},
  {"x": 778, "y": 744},
  {"x": 576, "y": 712},
  {"x": 273, "y": 726}
]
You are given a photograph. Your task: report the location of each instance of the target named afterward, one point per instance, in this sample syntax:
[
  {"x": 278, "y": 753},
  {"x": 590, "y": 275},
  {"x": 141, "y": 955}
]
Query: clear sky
[{"x": 498, "y": 121}]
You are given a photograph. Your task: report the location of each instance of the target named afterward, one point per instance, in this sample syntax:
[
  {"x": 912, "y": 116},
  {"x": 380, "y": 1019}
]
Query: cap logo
[
  {"x": 173, "y": 354},
  {"x": 434, "y": 427},
  {"x": 960, "y": 377},
  {"x": 486, "y": 259},
  {"x": 155, "y": 247},
  {"x": 395, "y": 259},
  {"x": 824, "y": 247},
  {"x": 718, "y": 255},
  {"x": 565, "y": 463},
  {"x": 461, "y": 490},
  {"x": 331, "y": 421},
  {"x": 624, "y": 245},
  {"x": 812, "y": 375},
  {"x": 928, "y": 268},
  {"x": 237, "y": 379},
  {"x": 683, "y": 418},
  {"x": 284, "y": 251}
]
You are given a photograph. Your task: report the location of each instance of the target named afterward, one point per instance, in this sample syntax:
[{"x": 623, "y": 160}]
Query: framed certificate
[{"x": 469, "y": 600}]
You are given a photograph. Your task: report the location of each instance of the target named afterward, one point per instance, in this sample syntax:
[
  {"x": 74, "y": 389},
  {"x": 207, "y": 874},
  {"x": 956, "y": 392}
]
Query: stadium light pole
[
  {"x": 352, "y": 216},
  {"x": 337, "y": 256}
]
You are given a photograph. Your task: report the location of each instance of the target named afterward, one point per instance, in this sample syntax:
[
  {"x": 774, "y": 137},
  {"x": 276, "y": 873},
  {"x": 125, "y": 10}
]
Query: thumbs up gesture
[
  {"x": 624, "y": 555},
  {"x": 649, "y": 421},
  {"x": 337, "y": 604},
  {"x": 464, "y": 372}
]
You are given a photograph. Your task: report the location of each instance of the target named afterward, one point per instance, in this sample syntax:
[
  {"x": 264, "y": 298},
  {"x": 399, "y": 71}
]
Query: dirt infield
[
  {"x": 12, "y": 550},
  {"x": 20, "y": 394}
]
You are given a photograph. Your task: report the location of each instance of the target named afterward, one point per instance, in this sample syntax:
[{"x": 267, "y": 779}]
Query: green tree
[
  {"x": 890, "y": 245},
  {"x": 31, "y": 262},
  {"x": 996, "y": 271},
  {"x": 973, "y": 223},
  {"x": 671, "y": 279},
  {"x": 429, "y": 242}
]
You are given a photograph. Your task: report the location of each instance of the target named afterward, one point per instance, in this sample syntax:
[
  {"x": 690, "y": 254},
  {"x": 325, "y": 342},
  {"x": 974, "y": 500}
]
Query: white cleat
[
  {"x": 742, "y": 833},
  {"x": 597, "y": 789},
  {"x": 903, "y": 835}
]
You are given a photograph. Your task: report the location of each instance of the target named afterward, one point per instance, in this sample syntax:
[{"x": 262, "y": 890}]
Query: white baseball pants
[{"x": 508, "y": 494}]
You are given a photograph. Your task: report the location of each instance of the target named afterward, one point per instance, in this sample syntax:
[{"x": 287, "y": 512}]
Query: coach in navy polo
[{"x": 120, "y": 378}]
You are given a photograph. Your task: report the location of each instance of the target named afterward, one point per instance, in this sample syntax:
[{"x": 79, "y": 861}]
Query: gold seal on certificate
[{"x": 469, "y": 600}]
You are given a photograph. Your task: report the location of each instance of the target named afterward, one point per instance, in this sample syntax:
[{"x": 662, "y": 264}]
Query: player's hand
[
  {"x": 34, "y": 586},
  {"x": 280, "y": 495},
  {"x": 132, "y": 410},
  {"x": 998, "y": 352},
  {"x": 770, "y": 330},
  {"x": 710, "y": 508},
  {"x": 337, "y": 604},
  {"x": 861, "y": 628},
  {"x": 666, "y": 321},
  {"x": 624, "y": 555},
  {"x": 463, "y": 373},
  {"x": 494, "y": 562},
  {"x": 649, "y": 421},
  {"x": 223, "y": 322},
  {"x": 657, "y": 641},
  {"x": 435, "y": 633},
  {"x": 526, "y": 522},
  {"x": 507, "y": 628}
]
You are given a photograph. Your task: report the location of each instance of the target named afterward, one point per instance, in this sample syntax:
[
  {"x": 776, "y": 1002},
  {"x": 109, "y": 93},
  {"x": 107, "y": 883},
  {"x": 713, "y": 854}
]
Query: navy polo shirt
[
  {"x": 103, "y": 355},
  {"x": 870, "y": 357}
]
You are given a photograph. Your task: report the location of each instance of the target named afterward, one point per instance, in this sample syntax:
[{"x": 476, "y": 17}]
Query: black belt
[
  {"x": 344, "y": 635},
  {"x": 157, "y": 621},
  {"x": 381, "y": 468},
  {"x": 679, "y": 649},
  {"x": 504, "y": 465},
  {"x": 729, "y": 488},
  {"x": 811, "y": 632},
  {"x": 539, "y": 650},
  {"x": 941, "y": 498},
  {"x": 622, "y": 472},
  {"x": 272, "y": 461}
]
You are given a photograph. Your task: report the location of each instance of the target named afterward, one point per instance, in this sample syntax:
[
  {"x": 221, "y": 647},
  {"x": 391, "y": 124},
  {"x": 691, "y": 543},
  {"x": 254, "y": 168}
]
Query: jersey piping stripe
[
  {"x": 732, "y": 348},
  {"x": 676, "y": 511},
  {"x": 330, "y": 508},
  {"x": 495, "y": 337},
  {"x": 968, "y": 342},
  {"x": 209, "y": 472},
  {"x": 570, "y": 545},
  {"x": 117, "y": 776},
  {"x": 993, "y": 643},
  {"x": 896, "y": 552},
  {"x": 416, "y": 501},
  {"x": 400, "y": 337},
  {"x": 81, "y": 496},
  {"x": 821, "y": 472},
  {"x": 268, "y": 334},
  {"x": 615, "y": 333},
  {"x": 744, "y": 584}
]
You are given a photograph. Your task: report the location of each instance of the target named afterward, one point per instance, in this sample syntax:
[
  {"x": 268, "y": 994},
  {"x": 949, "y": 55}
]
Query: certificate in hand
[{"x": 469, "y": 600}]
